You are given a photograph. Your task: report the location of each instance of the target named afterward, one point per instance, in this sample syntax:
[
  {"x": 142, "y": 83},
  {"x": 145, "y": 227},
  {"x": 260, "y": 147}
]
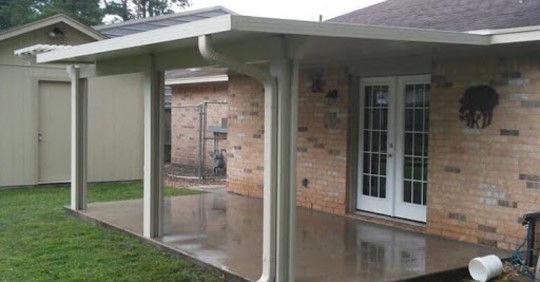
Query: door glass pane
[
  {"x": 369, "y": 96},
  {"x": 416, "y": 143},
  {"x": 375, "y": 137},
  {"x": 407, "y": 193}
]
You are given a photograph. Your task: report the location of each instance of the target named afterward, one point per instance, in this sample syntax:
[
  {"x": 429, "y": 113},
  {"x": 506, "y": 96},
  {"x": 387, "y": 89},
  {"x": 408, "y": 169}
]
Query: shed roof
[
  {"x": 455, "y": 15},
  {"x": 146, "y": 24},
  {"x": 58, "y": 18}
]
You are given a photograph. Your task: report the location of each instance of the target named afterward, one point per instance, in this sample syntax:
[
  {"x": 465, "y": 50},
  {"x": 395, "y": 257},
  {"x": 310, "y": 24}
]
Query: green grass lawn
[{"x": 39, "y": 242}]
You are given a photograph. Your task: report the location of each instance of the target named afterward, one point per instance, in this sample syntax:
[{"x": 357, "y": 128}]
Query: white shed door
[{"x": 54, "y": 131}]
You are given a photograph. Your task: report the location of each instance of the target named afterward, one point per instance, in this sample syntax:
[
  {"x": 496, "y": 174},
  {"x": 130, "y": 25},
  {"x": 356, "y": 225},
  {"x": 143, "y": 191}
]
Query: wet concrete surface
[{"x": 225, "y": 230}]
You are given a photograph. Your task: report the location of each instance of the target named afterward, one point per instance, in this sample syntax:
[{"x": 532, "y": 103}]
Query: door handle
[
  {"x": 389, "y": 155},
  {"x": 40, "y": 137}
]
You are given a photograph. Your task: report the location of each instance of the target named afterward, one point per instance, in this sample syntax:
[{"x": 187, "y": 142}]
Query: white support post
[
  {"x": 294, "y": 66},
  {"x": 280, "y": 69},
  {"x": 286, "y": 70},
  {"x": 153, "y": 151},
  {"x": 287, "y": 73},
  {"x": 79, "y": 137}
]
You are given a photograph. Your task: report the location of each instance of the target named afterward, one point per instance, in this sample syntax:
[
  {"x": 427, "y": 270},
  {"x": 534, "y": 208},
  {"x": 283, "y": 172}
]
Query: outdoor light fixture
[
  {"x": 331, "y": 95},
  {"x": 56, "y": 32},
  {"x": 317, "y": 83}
]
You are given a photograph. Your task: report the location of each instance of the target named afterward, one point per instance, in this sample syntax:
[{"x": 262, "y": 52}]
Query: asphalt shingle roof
[
  {"x": 455, "y": 15},
  {"x": 141, "y": 25}
]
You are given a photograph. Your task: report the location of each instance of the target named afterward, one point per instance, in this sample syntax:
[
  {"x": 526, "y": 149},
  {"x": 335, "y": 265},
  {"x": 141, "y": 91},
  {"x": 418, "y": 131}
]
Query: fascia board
[
  {"x": 506, "y": 30},
  {"x": 267, "y": 25},
  {"x": 162, "y": 17},
  {"x": 516, "y": 37},
  {"x": 196, "y": 79},
  {"x": 162, "y": 35}
]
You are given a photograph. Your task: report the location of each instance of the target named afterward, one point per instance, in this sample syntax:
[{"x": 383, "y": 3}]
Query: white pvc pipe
[
  {"x": 270, "y": 149},
  {"x": 485, "y": 268}
]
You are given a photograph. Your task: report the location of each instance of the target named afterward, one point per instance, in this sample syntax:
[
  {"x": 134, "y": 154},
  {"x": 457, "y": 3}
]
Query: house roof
[
  {"x": 455, "y": 15},
  {"x": 59, "y": 18},
  {"x": 146, "y": 24}
]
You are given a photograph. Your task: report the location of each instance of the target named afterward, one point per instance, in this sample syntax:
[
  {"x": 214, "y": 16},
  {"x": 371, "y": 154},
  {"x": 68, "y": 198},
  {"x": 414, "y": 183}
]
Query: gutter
[{"x": 270, "y": 149}]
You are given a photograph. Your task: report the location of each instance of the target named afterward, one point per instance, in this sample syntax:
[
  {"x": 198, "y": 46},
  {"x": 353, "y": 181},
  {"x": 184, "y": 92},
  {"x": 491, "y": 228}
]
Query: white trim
[
  {"x": 163, "y": 17},
  {"x": 385, "y": 205},
  {"x": 38, "y": 49},
  {"x": 392, "y": 205},
  {"x": 281, "y": 26},
  {"x": 526, "y": 36},
  {"x": 60, "y": 18},
  {"x": 505, "y": 30},
  {"x": 405, "y": 210},
  {"x": 511, "y": 35},
  {"x": 197, "y": 79},
  {"x": 259, "y": 25},
  {"x": 161, "y": 35}
]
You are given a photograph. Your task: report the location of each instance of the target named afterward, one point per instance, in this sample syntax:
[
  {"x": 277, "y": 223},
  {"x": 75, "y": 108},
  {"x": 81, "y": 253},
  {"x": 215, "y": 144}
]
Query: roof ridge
[
  {"x": 46, "y": 19},
  {"x": 161, "y": 17},
  {"x": 59, "y": 17}
]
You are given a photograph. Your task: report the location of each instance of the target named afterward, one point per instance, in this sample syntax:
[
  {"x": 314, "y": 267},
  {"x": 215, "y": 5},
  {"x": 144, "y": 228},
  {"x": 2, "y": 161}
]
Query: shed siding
[{"x": 18, "y": 115}]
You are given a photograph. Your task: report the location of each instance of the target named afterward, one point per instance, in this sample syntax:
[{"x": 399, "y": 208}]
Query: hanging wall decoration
[{"x": 477, "y": 106}]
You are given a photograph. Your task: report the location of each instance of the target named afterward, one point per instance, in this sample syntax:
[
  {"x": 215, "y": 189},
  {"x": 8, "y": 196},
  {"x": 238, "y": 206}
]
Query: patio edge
[
  {"x": 451, "y": 275},
  {"x": 220, "y": 273}
]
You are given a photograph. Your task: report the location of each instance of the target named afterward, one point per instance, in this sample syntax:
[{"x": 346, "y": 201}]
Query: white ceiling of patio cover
[{"x": 326, "y": 41}]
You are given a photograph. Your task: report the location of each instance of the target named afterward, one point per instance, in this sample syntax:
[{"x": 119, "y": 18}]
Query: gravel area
[{"x": 177, "y": 175}]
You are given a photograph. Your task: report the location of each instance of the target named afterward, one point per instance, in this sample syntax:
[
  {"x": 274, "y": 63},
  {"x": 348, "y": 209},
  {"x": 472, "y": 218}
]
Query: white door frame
[
  {"x": 373, "y": 204},
  {"x": 393, "y": 205},
  {"x": 402, "y": 209}
]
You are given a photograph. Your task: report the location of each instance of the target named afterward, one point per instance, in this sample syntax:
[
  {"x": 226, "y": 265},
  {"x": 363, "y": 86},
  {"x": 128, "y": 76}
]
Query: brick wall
[
  {"x": 322, "y": 139},
  {"x": 185, "y": 120},
  {"x": 246, "y": 136},
  {"x": 482, "y": 180}
]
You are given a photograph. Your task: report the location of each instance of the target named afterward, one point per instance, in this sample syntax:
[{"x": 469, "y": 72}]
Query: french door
[{"x": 393, "y": 159}]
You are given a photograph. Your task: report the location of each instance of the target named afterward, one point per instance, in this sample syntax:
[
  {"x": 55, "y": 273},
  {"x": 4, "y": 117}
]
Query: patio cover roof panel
[{"x": 324, "y": 38}]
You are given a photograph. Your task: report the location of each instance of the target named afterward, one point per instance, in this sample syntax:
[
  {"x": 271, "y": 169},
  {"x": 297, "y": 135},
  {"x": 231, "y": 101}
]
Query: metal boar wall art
[{"x": 477, "y": 106}]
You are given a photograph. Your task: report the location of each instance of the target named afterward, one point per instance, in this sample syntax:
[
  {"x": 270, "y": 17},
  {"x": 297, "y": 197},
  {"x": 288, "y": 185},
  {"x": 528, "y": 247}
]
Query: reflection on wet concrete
[{"x": 225, "y": 230}]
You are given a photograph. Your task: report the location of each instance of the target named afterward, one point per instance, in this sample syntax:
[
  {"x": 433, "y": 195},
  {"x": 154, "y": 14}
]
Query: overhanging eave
[{"x": 233, "y": 29}]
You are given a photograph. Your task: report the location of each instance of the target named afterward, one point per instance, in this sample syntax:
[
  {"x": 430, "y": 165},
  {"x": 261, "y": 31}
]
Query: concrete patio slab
[{"x": 225, "y": 231}]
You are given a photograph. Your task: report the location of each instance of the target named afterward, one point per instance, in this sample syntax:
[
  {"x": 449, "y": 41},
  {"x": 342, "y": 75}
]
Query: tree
[
  {"x": 89, "y": 12},
  {"x": 86, "y": 11},
  {"x": 119, "y": 8},
  {"x": 136, "y": 9},
  {"x": 17, "y": 12}
]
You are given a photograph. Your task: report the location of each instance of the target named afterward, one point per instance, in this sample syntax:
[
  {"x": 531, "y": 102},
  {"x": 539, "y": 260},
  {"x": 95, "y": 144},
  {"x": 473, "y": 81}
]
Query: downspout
[
  {"x": 270, "y": 149},
  {"x": 201, "y": 142}
]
